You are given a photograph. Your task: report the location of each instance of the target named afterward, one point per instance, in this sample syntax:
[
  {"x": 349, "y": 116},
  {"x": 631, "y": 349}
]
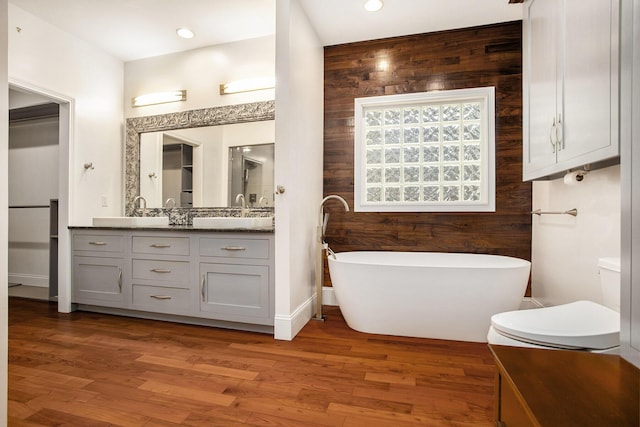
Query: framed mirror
[{"x": 137, "y": 129}]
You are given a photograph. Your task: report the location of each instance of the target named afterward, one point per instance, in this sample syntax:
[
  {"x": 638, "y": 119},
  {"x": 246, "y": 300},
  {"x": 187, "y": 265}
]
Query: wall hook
[{"x": 89, "y": 166}]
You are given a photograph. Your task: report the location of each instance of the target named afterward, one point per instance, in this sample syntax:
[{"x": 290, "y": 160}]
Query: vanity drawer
[
  {"x": 105, "y": 243},
  {"x": 160, "y": 299},
  {"x": 159, "y": 270},
  {"x": 160, "y": 245},
  {"x": 234, "y": 248}
]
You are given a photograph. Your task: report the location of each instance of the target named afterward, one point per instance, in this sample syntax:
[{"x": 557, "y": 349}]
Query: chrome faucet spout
[
  {"x": 243, "y": 204},
  {"x": 143, "y": 204},
  {"x": 324, "y": 218},
  {"x": 170, "y": 200}
]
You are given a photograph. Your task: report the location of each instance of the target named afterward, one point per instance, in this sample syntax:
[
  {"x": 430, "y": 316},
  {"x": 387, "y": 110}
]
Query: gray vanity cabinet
[
  {"x": 98, "y": 268},
  {"x": 190, "y": 276},
  {"x": 236, "y": 279}
]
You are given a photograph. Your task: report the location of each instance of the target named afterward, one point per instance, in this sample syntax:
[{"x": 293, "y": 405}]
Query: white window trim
[{"x": 484, "y": 95}]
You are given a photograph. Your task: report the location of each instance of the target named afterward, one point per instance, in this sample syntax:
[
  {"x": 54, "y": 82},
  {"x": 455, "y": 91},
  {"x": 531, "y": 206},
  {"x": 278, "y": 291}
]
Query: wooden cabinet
[
  {"x": 537, "y": 387},
  {"x": 98, "y": 268},
  {"x": 185, "y": 276},
  {"x": 570, "y": 84}
]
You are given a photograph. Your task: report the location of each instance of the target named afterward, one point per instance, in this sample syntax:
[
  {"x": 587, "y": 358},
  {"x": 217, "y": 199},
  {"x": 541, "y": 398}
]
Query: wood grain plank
[{"x": 187, "y": 393}]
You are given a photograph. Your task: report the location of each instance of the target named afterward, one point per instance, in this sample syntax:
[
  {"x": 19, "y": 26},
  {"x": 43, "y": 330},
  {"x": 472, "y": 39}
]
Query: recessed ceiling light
[
  {"x": 185, "y": 33},
  {"x": 373, "y": 5}
]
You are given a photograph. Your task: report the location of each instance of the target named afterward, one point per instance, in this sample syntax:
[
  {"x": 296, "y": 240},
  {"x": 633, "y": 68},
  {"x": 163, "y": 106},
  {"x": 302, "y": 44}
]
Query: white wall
[
  {"x": 200, "y": 72},
  {"x": 565, "y": 249},
  {"x": 298, "y": 159},
  {"x": 4, "y": 196},
  {"x": 43, "y": 57}
]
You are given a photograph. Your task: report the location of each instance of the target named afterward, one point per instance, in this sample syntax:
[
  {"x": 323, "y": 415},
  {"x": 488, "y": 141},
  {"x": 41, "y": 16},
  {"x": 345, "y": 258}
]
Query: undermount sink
[
  {"x": 130, "y": 221},
  {"x": 233, "y": 222}
]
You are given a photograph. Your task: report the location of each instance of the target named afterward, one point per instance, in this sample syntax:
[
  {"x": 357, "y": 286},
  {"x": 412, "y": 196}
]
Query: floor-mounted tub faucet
[{"x": 320, "y": 248}]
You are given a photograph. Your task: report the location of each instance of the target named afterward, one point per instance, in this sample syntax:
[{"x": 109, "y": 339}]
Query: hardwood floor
[{"x": 87, "y": 369}]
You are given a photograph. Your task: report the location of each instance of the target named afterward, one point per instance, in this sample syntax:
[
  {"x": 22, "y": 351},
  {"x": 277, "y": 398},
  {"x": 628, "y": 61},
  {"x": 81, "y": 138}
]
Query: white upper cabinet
[{"x": 570, "y": 84}]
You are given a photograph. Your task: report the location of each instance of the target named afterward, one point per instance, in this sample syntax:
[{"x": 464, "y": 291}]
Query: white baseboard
[
  {"x": 287, "y": 327},
  {"x": 29, "y": 280}
]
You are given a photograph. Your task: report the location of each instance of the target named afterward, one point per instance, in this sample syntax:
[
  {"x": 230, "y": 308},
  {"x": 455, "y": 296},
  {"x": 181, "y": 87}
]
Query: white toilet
[{"x": 581, "y": 325}]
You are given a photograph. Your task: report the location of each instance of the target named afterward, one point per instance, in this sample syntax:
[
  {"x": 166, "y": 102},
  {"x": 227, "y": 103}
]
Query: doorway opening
[{"x": 38, "y": 167}]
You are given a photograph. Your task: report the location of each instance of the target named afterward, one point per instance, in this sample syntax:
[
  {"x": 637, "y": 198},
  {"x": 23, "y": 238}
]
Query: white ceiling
[{"x": 134, "y": 29}]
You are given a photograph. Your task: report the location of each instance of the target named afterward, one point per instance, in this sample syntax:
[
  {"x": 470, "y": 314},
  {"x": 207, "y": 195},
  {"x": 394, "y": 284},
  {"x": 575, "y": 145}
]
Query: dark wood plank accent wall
[{"x": 472, "y": 57}]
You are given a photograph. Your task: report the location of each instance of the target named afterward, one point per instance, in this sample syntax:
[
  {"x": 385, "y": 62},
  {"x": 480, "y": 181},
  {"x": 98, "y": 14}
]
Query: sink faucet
[
  {"x": 263, "y": 199},
  {"x": 170, "y": 200},
  {"x": 243, "y": 210},
  {"x": 143, "y": 204}
]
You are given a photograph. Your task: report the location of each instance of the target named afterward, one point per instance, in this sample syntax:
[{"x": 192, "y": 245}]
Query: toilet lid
[{"x": 581, "y": 324}]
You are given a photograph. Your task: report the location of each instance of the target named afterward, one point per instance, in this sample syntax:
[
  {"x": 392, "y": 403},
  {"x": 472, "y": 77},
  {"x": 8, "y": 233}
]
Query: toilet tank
[{"x": 610, "y": 282}]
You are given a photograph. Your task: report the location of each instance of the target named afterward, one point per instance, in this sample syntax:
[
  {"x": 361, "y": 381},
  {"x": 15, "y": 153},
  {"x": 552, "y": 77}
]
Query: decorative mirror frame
[{"x": 225, "y": 115}]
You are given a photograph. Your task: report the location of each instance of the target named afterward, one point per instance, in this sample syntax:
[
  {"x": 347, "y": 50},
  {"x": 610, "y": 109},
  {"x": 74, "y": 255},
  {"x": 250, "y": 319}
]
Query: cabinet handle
[
  {"x": 552, "y": 133},
  {"x": 160, "y": 296},
  {"x": 160, "y": 245},
  {"x": 98, "y": 243},
  {"x": 234, "y": 248},
  {"x": 559, "y": 135},
  {"x": 160, "y": 270},
  {"x": 120, "y": 279},
  {"x": 202, "y": 287}
]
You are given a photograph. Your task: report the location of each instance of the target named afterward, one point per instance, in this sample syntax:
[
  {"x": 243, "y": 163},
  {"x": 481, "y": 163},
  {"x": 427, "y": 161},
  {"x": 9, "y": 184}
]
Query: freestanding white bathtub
[{"x": 448, "y": 296}]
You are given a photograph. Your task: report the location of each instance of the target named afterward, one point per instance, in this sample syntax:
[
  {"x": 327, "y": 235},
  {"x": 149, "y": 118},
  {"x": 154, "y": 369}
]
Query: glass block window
[{"x": 432, "y": 151}]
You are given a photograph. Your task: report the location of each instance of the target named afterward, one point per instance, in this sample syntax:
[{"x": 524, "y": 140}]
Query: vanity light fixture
[
  {"x": 159, "y": 98},
  {"x": 185, "y": 33},
  {"x": 248, "y": 85},
  {"x": 373, "y": 5}
]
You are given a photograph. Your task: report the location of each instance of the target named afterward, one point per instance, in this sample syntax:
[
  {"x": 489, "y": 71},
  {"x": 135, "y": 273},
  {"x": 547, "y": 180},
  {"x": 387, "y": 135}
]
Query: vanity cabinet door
[
  {"x": 236, "y": 292},
  {"x": 98, "y": 281},
  {"x": 99, "y": 268}
]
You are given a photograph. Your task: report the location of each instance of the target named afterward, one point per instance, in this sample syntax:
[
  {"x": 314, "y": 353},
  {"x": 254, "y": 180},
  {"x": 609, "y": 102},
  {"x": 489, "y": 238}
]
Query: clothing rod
[
  {"x": 572, "y": 212},
  {"x": 30, "y": 207}
]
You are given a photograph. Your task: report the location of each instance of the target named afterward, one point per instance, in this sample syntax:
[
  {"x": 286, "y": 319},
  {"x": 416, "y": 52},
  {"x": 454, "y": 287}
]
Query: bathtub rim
[{"x": 384, "y": 258}]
